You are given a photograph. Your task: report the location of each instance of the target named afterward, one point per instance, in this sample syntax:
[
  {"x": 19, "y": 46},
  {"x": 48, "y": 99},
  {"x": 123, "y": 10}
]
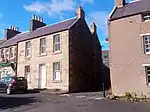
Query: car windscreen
[{"x": 19, "y": 79}]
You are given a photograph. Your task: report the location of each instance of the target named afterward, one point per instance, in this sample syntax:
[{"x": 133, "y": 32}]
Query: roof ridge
[
  {"x": 22, "y": 33},
  {"x": 56, "y": 23}
]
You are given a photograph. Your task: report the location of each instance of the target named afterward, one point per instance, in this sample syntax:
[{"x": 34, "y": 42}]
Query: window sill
[
  {"x": 43, "y": 54},
  {"x": 57, "y": 81},
  {"x": 27, "y": 57},
  {"x": 56, "y": 52},
  {"x": 11, "y": 58},
  {"x": 146, "y": 21},
  {"x": 147, "y": 53}
]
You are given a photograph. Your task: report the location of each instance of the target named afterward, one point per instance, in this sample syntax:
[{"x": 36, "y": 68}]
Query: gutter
[{"x": 112, "y": 12}]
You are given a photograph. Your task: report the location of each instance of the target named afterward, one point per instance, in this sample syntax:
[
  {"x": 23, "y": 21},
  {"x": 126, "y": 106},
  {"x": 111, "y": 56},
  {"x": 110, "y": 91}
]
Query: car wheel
[
  {"x": 8, "y": 91},
  {"x": 25, "y": 90}
]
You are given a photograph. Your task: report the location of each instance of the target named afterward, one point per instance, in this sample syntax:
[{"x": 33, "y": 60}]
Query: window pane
[
  {"x": 11, "y": 52},
  {"x": 42, "y": 41},
  {"x": 148, "y": 79},
  {"x": 57, "y": 47},
  {"x": 43, "y": 45},
  {"x": 56, "y": 70},
  {"x": 57, "y": 66},
  {"x": 27, "y": 48},
  {"x": 56, "y": 38},
  {"x": 43, "y": 49}
]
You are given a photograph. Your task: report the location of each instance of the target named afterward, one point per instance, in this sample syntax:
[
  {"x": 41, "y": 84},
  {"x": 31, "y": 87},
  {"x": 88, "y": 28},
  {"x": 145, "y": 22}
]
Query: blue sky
[{"x": 19, "y": 13}]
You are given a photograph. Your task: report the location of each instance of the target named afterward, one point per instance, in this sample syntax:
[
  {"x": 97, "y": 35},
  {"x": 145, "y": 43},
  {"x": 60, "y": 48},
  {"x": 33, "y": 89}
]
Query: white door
[{"x": 42, "y": 76}]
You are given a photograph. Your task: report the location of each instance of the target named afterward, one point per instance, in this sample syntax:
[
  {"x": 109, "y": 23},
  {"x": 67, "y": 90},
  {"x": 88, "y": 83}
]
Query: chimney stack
[
  {"x": 36, "y": 22},
  {"x": 93, "y": 28},
  {"x": 120, "y": 3},
  {"x": 11, "y": 32},
  {"x": 80, "y": 13}
]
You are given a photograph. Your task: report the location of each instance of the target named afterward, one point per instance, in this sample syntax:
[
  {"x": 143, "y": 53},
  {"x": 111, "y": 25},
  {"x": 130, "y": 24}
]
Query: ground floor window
[
  {"x": 27, "y": 73},
  {"x": 56, "y": 71},
  {"x": 147, "y": 69}
]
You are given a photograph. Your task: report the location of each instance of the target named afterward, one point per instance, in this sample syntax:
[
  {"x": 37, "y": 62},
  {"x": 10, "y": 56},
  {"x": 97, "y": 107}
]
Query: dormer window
[{"x": 146, "y": 17}]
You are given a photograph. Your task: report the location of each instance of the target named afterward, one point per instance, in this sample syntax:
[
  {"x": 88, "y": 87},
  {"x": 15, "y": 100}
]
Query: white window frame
[
  {"x": 146, "y": 17},
  {"x": 11, "y": 52},
  {"x": 146, "y": 41},
  {"x": 56, "y": 44},
  {"x": 56, "y": 72},
  {"x": 42, "y": 46},
  {"x": 27, "y": 74},
  {"x": 28, "y": 49}
]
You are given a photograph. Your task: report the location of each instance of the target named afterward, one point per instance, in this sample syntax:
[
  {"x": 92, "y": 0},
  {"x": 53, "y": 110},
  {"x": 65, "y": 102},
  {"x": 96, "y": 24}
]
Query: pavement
[{"x": 75, "y": 102}]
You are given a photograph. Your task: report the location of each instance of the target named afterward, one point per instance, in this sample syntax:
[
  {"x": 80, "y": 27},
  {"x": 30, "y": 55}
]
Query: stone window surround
[
  {"x": 11, "y": 52},
  {"x": 54, "y": 80},
  {"x": 42, "y": 46},
  {"x": 55, "y": 43},
  {"x": 28, "y": 48},
  {"x": 27, "y": 71}
]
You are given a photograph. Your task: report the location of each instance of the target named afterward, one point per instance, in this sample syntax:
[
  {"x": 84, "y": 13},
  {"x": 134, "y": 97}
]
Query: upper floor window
[
  {"x": 146, "y": 17},
  {"x": 27, "y": 48},
  {"x": 42, "y": 45},
  {"x": 11, "y": 52},
  {"x": 56, "y": 43},
  {"x": 2, "y": 52}
]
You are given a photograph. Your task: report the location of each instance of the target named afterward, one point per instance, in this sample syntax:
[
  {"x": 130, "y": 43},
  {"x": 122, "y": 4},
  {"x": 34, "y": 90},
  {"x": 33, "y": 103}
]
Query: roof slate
[
  {"x": 131, "y": 9},
  {"x": 39, "y": 32}
]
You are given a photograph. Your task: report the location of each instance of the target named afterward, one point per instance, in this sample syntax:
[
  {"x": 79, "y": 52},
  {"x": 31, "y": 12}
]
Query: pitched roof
[
  {"x": 64, "y": 25},
  {"x": 132, "y": 8}
]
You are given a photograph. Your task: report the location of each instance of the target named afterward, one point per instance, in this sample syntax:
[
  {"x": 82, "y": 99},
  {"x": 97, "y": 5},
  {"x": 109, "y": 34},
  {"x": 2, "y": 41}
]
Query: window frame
[
  {"x": 55, "y": 43},
  {"x": 146, "y": 44},
  {"x": 147, "y": 75},
  {"x": 28, "y": 49},
  {"x": 146, "y": 17},
  {"x": 3, "y": 53},
  {"x": 55, "y": 77},
  {"x": 27, "y": 74},
  {"x": 42, "y": 46},
  {"x": 11, "y": 52}
]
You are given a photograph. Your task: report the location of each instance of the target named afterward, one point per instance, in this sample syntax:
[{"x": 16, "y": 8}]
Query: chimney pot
[
  {"x": 80, "y": 12},
  {"x": 11, "y": 32},
  {"x": 93, "y": 28},
  {"x": 35, "y": 23}
]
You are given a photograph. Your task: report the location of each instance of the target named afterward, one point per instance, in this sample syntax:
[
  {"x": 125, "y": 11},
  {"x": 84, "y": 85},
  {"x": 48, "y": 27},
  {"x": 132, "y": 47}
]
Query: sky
[{"x": 19, "y": 12}]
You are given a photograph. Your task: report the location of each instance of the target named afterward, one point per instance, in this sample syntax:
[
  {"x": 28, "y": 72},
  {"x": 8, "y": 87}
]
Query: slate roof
[
  {"x": 131, "y": 9},
  {"x": 64, "y": 25}
]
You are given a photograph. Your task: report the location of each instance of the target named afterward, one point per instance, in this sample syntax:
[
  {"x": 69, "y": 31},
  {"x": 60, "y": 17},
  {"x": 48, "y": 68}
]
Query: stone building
[{"x": 64, "y": 56}]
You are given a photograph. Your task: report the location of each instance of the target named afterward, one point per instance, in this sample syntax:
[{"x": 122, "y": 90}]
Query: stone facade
[
  {"x": 35, "y": 59},
  {"x": 79, "y": 56},
  {"x": 10, "y": 57}
]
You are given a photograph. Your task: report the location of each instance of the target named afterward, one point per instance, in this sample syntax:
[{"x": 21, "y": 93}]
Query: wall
[
  {"x": 127, "y": 55},
  {"x": 48, "y": 59},
  {"x": 81, "y": 52}
]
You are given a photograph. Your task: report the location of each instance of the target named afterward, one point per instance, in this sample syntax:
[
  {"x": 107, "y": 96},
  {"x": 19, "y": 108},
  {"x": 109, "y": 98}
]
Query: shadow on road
[{"x": 11, "y": 102}]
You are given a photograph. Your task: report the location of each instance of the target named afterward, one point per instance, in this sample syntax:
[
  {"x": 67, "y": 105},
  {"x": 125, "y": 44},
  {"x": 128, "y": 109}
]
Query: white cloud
[
  {"x": 36, "y": 7},
  {"x": 55, "y": 7},
  {"x": 100, "y": 18},
  {"x": 87, "y": 1}
]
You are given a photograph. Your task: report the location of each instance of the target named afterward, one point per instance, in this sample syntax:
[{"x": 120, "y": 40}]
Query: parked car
[{"x": 10, "y": 84}]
